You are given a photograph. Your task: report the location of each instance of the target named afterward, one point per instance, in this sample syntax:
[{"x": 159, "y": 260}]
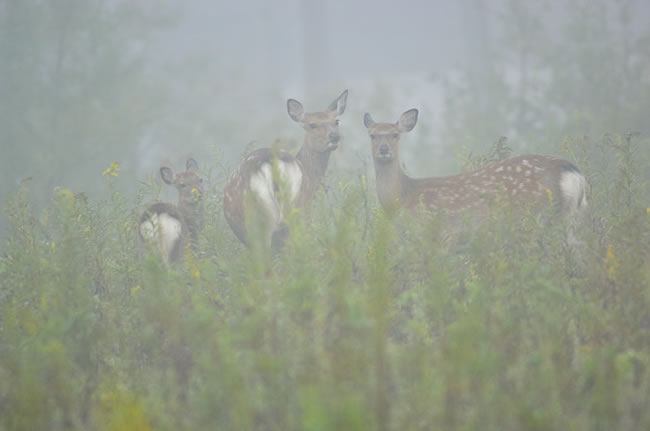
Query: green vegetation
[{"x": 364, "y": 321}]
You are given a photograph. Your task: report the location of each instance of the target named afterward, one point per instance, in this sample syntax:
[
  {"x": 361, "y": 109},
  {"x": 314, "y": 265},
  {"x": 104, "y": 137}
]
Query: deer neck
[
  {"x": 314, "y": 166},
  {"x": 193, "y": 216},
  {"x": 392, "y": 184}
]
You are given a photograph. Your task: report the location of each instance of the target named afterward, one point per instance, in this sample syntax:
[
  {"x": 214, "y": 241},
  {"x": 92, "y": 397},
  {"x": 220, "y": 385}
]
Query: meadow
[{"x": 365, "y": 320}]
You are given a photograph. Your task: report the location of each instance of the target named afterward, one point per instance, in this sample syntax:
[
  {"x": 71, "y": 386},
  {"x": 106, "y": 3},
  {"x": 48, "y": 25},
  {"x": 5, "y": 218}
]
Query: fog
[
  {"x": 150, "y": 83},
  {"x": 359, "y": 296}
]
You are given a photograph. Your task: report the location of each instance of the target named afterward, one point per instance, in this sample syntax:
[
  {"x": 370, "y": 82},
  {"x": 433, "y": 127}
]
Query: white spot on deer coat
[
  {"x": 165, "y": 230},
  {"x": 261, "y": 184}
]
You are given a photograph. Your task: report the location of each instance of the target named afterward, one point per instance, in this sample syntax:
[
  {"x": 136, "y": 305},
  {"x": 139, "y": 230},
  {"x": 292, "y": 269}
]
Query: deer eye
[
  {"x": 312, "y": 125},
  {"x": 337, "y": 122},
  {"x": 395, "y": 135}
]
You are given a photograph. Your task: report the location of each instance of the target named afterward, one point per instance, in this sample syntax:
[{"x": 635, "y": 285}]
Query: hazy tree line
[
  {"x": 364, "y": 320},
  {"x": 78, "y": 89},
  {"x": 75, "y": 93}
]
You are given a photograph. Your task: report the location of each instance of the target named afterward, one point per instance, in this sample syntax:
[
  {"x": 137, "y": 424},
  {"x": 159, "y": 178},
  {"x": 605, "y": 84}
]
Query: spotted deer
[
  {"x": 268, "y": 183},
  {"x": 529, "y": 179},
  {"x": 168, "y": 227}
]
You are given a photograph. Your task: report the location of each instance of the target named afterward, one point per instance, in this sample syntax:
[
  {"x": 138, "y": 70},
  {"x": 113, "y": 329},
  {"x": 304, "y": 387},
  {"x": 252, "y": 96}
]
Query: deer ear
[
  {"x": 338, "y": 105},
  {"x": 167, "y": 175},
  {"x": 408, "y": 120},
  {"x": 367, "y": 120},
  {"x": 191, "y": 165},
  {"x": 295, "y": 110}
]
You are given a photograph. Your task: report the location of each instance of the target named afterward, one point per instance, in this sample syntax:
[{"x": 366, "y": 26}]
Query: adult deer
[
  {"x": 167, "y": 226},
  {"x": 528, "y": 179},
  {"x": 268, "y": 183}
]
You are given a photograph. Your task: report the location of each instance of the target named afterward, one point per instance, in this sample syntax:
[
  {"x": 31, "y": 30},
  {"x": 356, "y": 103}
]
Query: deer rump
[
  {"x": 254, "y": 194},
  {"x": 163, "y": 224}
]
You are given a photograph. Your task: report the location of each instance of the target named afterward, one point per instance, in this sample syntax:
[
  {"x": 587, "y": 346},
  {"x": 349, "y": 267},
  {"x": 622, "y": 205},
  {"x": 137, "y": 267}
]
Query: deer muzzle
[
  {"x": 334, "y": 139},
  {"x": 384, "y": 154}
]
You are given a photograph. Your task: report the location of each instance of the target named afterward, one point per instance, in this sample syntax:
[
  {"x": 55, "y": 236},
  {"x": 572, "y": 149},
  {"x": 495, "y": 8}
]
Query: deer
[
  {"x": 168, "y": 227},
  {"x": 522, "y": 180},
  {"x": 269, "y": 183}
]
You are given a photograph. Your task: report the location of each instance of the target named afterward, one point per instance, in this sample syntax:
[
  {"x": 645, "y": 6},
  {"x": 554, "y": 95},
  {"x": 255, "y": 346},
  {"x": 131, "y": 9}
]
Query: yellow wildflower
[
  {"x": 549, "y": 193},
  {"x": 55, "y": 347},
  {"x": 64, "y": 192},
  {"x": 195, "y": 272},
  {"x": 191, "y": 264},
  {"x": 112, "y": 170},
  {"x": 44, "y": 303},
  {"x": 65, "y": 195},
  {"x": 29, "y": 324},
  {"x": 612, "y": 263}
]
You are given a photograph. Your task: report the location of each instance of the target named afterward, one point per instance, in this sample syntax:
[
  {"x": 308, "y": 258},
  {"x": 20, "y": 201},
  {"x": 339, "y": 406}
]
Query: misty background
[{"x": 149, "y": 83}]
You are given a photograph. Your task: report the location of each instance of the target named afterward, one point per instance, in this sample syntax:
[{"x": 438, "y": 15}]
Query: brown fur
[
  {"x": 527, "y": 179},
  {"x": 322, "y": 136},
  {"x": 188, "y": 211}
]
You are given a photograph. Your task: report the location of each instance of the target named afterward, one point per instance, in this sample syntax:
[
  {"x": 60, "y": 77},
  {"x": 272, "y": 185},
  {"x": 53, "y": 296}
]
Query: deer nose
[
  {"x": 334, "y": 137},
  {"x": 383, "y": 149}
]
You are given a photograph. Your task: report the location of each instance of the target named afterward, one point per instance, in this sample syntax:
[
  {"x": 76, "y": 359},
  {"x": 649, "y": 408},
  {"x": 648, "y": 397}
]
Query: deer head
[
  {"x": 276, "y": 181},
  {"x": 321, "y": 128},
  {"x": 189, "y": 183},
  {"x": 384, "y": 137}
]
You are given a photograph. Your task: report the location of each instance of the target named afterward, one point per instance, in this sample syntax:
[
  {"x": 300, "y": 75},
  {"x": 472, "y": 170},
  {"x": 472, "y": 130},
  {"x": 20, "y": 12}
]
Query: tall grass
[{"x": 365, "y": 320}]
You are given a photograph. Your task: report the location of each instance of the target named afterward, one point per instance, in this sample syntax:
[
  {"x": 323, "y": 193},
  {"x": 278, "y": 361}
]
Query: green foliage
[
  {"x": 74, "y": 91},
  {"x": 364, "y": 320}
]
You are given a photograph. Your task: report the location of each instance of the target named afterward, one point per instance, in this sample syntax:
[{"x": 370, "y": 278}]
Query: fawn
[{"x": 168, "y": 226}]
